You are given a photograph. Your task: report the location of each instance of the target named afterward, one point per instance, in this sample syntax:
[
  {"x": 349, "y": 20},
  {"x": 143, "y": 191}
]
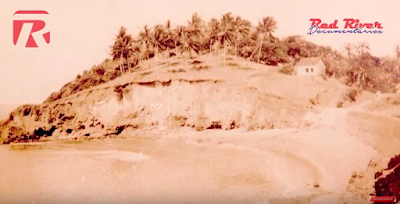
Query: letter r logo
[{"x": 29, "y": 28}]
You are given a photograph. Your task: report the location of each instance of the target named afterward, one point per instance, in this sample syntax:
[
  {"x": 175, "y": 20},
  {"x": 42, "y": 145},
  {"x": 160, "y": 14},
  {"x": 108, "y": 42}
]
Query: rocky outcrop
[
  {"x": 34, "y": 122},
  {"x": 388, "y": 181}
]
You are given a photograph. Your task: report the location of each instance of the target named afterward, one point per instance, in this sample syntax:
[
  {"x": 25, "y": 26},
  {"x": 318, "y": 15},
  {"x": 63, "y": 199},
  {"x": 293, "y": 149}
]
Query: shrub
[
  {"x": 352, "y": 95},
  {"x": 287, "y": 69},
  {"x": 100, "y": 74}
]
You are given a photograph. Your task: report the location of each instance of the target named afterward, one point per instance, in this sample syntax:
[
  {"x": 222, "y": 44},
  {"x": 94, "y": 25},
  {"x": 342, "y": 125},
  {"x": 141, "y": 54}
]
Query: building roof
[{"x": 308, "y": 61}]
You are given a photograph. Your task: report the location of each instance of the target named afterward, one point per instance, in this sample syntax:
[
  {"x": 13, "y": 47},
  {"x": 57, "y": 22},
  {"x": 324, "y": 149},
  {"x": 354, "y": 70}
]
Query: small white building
[{"x": 310, "y": 66}]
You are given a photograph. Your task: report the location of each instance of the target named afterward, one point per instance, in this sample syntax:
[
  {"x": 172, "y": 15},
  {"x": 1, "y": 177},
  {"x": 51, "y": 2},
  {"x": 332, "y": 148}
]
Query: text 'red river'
[{"x": 351, "y": 25}]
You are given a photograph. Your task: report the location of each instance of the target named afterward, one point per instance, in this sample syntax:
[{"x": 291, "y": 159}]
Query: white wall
[
  {"x": 318, "y": 69},
  {"x": 301, "y": 70},
  {"x": 322, "y": 66}
]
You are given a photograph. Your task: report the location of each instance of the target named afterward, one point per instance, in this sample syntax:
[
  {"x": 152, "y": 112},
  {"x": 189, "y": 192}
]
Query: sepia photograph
[{"x": 199, "y": 102}]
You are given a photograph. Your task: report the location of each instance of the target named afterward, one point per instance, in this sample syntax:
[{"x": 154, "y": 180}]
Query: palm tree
[
  {"x": 122, "y": 48},
  {"x": 241, "y": 28},
  {"x": 213, "y": 32},
  {"x": 185, "y": 41},
  {"x": 349, "y": 49},
  {"x": 266, "y": 27},
  {"x": 169, "y": 40},
  {"x": 226, "y": 32},
  {"x": 195, "y": 26},
  {"x": 157, "y": 39},
  {"x": 356, "y": 70},
  {"x": 144, "y": 40},
  {"x": 195, "y": 29}
]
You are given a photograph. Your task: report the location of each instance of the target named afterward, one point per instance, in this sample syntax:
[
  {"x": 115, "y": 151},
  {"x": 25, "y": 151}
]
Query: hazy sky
[{"x": 82, "y": 31}]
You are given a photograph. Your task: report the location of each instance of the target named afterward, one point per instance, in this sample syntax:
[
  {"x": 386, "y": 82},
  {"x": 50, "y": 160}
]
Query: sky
[{"x": 82, "y": 31}]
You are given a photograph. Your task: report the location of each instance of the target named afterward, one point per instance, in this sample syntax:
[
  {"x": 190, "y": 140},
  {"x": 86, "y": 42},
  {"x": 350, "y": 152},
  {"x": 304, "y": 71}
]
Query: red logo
[
  {"x": 391, "y": 199},
  {"x": 29, "y": 28},
  {"x": 352, "y": 26}
]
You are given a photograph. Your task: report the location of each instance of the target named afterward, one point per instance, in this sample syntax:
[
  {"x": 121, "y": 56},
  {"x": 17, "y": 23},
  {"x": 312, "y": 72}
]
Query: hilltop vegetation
[{"x": 235, "y": 35}]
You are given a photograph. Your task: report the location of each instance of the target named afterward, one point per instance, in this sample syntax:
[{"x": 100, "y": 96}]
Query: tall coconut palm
[
  {"x": 122, "y": 49},
  {"x": 349, "y": 48},
  {"x": 185, "y": 41},
  {"x": 169, "y": 40},
  {"x": 265, "y": 27},
  {"x": 195, "y": 26},
  {"x": 144, "y": 40},
  {"x": 226, "y": 32},
  {"x": 157, "y": 40},
  {"x": 241, "y": 28},
  {"x": 195, "y": 29},
  {"x": 248, "y": 43},
  {"x": 213, "y": 26}
]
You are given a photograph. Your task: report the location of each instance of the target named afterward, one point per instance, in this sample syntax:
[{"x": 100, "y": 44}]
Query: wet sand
[
  {"x": 227, "y": 168},
  {"x": 162, "y": 173}
]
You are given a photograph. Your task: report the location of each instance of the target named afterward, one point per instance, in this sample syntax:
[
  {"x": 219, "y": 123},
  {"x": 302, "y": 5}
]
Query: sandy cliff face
[
  {"x": 168, "y": 105},
  {"x": 172, "y": 95},
  {"x": 200, "y": 94}
]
